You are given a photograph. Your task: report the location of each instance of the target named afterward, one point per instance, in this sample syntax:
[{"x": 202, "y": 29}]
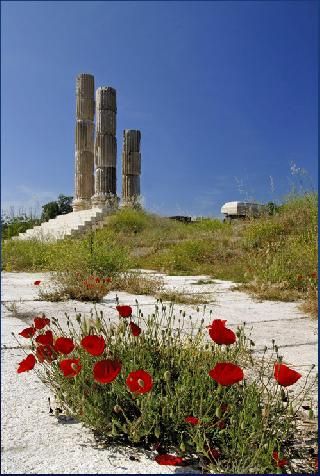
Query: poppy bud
[
  {"x": 218, "y": 412},
  {"x": 242, "y": 426},
  {"x": 182, "y": 447},
  {"x": 167, "y": 376},
  {"x": 157, "y": 432}
]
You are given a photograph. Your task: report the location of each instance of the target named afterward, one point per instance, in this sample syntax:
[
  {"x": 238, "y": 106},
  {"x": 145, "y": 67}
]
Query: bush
[
  {"x": 12, "y": 226},
  {"x": 150, "y": 385}
]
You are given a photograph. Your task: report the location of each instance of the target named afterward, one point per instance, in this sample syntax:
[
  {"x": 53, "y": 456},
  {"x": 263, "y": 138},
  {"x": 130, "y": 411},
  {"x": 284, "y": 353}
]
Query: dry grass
[
  {"x": 180, "y": 297},
  {"x": 137, "y": 283}
]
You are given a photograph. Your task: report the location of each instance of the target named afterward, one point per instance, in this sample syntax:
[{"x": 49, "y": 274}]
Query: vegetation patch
[
  {"x": 274, "y": 256},
  {"x": 195, "y": 396}
]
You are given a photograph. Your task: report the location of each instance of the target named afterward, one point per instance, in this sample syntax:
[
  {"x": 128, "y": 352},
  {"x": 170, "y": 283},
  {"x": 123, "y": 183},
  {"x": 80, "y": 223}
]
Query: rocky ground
[{"x": 34, "y": 441}]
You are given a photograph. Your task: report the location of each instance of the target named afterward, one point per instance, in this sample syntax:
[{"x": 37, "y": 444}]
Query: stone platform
[{"x": 70, "y": 225}]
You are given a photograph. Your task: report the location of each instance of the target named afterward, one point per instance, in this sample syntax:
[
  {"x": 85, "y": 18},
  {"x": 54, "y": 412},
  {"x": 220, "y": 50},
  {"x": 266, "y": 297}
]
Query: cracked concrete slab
[{"x": 68, "y": 449}]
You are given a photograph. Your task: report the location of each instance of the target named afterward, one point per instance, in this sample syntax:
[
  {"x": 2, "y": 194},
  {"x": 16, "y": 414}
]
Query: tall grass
[{"x": 273, "y": 256}]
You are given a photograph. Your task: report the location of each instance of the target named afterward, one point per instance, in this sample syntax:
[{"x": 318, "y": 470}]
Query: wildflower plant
[{"x": 194, "y": 394}]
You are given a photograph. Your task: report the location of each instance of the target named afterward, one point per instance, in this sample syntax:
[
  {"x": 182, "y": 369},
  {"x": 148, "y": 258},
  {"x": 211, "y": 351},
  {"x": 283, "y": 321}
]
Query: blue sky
[{"x": 224, "y": 93}]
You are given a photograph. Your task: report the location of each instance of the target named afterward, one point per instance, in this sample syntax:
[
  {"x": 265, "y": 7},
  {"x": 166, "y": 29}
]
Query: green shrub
[
  {"x": 245, "y": 422},
  {"x": 129, "y": 220}
]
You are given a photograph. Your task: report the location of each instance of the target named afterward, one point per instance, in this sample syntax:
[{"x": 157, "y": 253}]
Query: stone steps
[{"x": 70, "y": 225}]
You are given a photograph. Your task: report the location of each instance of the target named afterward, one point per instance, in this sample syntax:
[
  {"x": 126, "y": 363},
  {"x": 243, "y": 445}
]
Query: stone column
[
  {"x": 131, "y": 167},
  {"x": 84, "y": 142},
  {"x": 105, "y": 151}
]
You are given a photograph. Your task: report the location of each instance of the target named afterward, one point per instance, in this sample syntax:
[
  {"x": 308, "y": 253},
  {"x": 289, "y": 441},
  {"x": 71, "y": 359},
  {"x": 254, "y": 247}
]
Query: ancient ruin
[
  {"x": 84, "y": 142},
  {"x": 96, "y": 154},
  {"x": 131, "y": 167},
  {"x": 105, "y": 152}
]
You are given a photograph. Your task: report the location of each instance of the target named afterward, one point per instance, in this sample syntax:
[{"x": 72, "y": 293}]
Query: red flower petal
[
  {"x": 193, "y": 420},
  {"x": 284, "y": 375},
  {"x": 169, "y": 460},
  {"x": 226, "y": 373},
  {"x": 214, "y": 453},
  {"x": 41, "y": 322},
  {"x": 139, "y": 381},
  {"x": 36, "y": 283},
  {"x": 280, "y": 462},
  {"x": 136, "y": 331},
  {"x": 97, "y": 280},
  {"x": 45, "y": 339},
  {"x": 27, "y": 364},
  {"x": 220, "y": 334},
  {"x": 124, "y": 311},
  {"x": 70, "y": 367},
  {"x": 95, "y": 345},
  {"x": 64, "y": 345},
  {"x": 28, "y": 332},
  {"x": 45, "y": 352},
  {"x": 105, "y": 371}
]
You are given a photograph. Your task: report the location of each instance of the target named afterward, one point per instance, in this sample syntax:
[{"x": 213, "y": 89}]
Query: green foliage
[
  {"x": 129, "y": 220},
  {"x": 12, "y": 226},
  {"x": 59, "y": 207},
  {"x": 269, "y": 252},
  {"x": 88, "y": 256},
  {"x": 246, "y": 422}
]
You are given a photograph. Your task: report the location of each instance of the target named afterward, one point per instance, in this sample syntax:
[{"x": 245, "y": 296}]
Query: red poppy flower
[
  {"x": 41, "y": 322},
  {"x": 280, "y": 462},
  {"x": 299, "y": 277},
  {"x": 95, "y": 345},
  {"x": 214, "y": 453},
  {"x": 136, "y": 331},
  {"x": 106, "y": 280},
  {"x": 169, "y": 460},
  {"x": 220, "y": 334},
  {"x": 45, "y": 339},
  {"x": 64, "y": 345},
  {"x": 226, "y": 373},
  {"x": 36, "y": 283},
  {"x": 285, "y": 376},
  {"x": 45, "y": 352},
  {"x": 28, "y": 332},
  {"x": 139, "y": 381},
  {"x": 70, "y": 367},
  {"x": 105, "y": 371},
  {"x": 314, "y": 275},
  {"x": 27, "y": 364},
  {"x": 193, "y": 420},
  {"x": 124, "y": 311},
  {"x": 97, "y": 280}
]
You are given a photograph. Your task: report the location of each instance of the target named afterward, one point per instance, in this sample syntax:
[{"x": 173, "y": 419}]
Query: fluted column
[
  {"x": 131, "y": 167},
  {"x": 84, "y": 142},
  {"x": 105, "y": 150}
]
